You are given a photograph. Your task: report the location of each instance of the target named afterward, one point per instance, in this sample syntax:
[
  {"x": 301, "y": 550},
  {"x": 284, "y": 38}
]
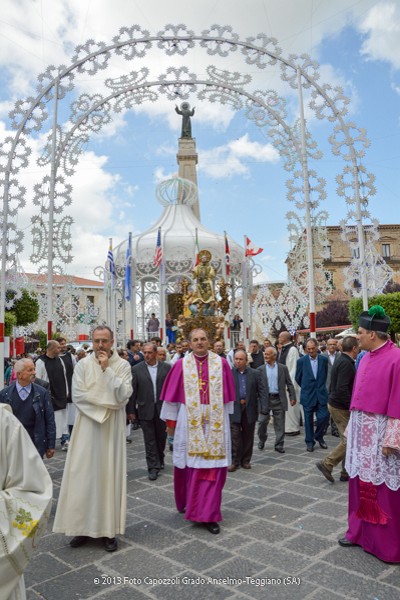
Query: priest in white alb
[
  {"x": 92, "y": 501},
  {"x": 25, "y": 503},
  {"x": 198, "y": 396}
]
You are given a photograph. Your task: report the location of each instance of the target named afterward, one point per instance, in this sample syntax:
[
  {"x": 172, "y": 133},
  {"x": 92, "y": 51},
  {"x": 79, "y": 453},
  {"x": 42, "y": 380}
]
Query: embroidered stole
[{"x": 211, "y": 446}]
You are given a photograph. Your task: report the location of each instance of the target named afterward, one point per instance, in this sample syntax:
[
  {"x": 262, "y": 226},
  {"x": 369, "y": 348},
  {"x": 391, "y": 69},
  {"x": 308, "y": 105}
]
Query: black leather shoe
[
  {"x": 345, "y": 543},
  {"x": 153, "y": 475},
  {"x": 325, "y": 471},
  {"x": 280, "y": 450},
  {"x": 322, "y": 445},
  {"x": 344, "y": 477},
  {"x": 292, "y": 433},
  {"x": 110, "y": 544},
  {"x": 310, "y": 448},
  {"x": 79, "y": 540},
  {"x": 261, "y": 445},
  {"x": 213, "y": 527}
]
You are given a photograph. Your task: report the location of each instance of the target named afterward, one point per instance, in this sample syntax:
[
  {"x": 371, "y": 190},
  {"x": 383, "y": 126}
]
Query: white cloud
[
  {"x": 96, "y": 211},
  {"x": 267, "y": 257},
  {"x": 382, "y": 28},
  {"x": 35, "y": 36},
  {"x": 228, "y": 161},
  {"x": 160, "y": 175}
]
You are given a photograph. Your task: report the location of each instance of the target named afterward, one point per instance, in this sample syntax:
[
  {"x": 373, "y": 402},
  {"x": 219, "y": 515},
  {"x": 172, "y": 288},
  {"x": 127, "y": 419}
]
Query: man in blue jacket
[
  {"x": 31, "y": 404},
  {"x": 311, "y": 374}
]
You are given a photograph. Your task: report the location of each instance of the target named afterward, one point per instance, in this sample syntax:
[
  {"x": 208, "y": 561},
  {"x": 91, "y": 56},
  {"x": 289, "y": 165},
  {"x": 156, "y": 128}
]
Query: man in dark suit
[
  {"x": 342, "y": 381},
  {"x": 145, "y": 405},
  {"x": 333, "y": 354},
  {"x": 276, "y": 380},
  {"x": 311, "y": 374},
  {"x": 135, "y": 356},
  {"x": 250, "y": 394},
  {"x": 257, "y": 357},
  {"x": 32, "y": 406}
]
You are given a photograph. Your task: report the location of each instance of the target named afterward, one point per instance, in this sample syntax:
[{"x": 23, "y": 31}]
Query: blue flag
[{"x": 128, "y": 269}]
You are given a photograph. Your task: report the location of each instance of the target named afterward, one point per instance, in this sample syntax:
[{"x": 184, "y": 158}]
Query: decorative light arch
[{"x": 90, "y": 112}]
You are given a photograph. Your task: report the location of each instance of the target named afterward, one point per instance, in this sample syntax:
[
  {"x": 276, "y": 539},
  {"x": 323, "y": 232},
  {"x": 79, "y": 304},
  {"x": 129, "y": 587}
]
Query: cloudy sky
[{"x": 242, "y": 182}]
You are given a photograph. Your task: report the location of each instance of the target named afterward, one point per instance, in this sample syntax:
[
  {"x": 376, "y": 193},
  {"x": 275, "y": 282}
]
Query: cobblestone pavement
[{"x": 278, "y": 540}]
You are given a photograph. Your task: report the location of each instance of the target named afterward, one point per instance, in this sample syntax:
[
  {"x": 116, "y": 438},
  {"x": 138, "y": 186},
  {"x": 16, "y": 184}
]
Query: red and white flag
[
  {"x": 227, "y": 257},
  {"x": 157, "y": 260},
  {"x": 252, "y": 249}
]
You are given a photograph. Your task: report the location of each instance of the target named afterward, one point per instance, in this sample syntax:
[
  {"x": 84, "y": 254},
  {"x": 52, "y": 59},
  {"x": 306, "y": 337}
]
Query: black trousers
[
  {"x": 154, "y": 435},
  {"x": 242, "y": 440}
]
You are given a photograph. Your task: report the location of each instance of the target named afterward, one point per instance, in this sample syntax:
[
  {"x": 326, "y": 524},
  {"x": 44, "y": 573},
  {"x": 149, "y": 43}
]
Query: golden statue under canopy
[{"x": 204, "y": 275}]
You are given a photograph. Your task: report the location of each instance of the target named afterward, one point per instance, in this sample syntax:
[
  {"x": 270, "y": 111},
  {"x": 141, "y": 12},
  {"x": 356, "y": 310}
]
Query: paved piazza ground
[{"x": 278, "y": 541}]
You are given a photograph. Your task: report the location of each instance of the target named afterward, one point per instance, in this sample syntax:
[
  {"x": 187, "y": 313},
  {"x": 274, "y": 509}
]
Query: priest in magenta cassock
[
  {"x": 373, "y": 443},
  {"x": 198, "y": 396}
]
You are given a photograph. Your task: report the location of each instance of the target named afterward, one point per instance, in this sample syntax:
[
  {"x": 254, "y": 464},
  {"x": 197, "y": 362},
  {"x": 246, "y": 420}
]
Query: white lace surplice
[{"x": 367, "y": 433}]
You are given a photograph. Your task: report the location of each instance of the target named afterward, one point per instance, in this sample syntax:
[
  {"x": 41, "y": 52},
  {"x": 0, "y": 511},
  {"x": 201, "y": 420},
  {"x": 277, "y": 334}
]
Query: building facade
[{"x": 388, "y": 246}]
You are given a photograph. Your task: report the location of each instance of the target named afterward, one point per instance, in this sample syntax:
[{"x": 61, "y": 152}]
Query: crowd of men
[{"x": 211, "y": 406}]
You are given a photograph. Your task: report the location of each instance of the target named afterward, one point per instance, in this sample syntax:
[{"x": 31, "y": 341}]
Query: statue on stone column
[{"x": 186, "y": 113}]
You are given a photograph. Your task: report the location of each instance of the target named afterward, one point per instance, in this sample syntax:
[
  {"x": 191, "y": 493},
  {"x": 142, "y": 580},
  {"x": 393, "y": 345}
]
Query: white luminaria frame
[{"x": 90, "y": 112}]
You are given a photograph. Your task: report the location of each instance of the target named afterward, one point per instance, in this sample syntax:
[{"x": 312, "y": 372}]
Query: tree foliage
[
  {"x": 390, "y": 302},
  {"x": 10, "y": 322},
  {"x": 41, "y": 336},
  {"x": 25, "y": 310},
  {"x": 335, "y": 312}
]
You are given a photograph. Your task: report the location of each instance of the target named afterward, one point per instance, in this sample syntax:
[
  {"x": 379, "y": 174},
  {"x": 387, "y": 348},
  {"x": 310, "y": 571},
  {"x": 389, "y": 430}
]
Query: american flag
[{"x": 157, "y": 260}]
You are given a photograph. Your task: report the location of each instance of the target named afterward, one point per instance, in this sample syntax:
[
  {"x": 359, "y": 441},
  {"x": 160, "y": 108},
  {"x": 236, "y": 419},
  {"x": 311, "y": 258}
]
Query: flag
[
  {"x": 111, "y": 264},
  {"x": 196, "y": 250},
  {"x": 127, "y": 283},
  {"x": 252, "y": 249},
  {"x": 227, "y": 257},
  {"x": 157, "y": 260}
]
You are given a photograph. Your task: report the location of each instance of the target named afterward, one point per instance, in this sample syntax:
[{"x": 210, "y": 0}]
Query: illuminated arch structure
[{"x": 88, "y": 113}]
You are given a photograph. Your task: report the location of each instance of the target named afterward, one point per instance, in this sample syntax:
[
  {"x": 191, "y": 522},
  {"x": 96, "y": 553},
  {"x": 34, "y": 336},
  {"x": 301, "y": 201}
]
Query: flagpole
[
  {"x": 123, "y": 301},
  {"x": 196, "y": 248},
  {"x": 162, "y": 292},
  {"x": 227, "y": 276},
  {"x": 244, "y": 296},
  {"x": 106, "y": 292},
  {"x": 251, "y": 303},
  {"x": 112, "y": 297},
  {"x": 307, "y": 203},
  {"x": 128, "y": 288},
  {"x": 133, "y": 299}
]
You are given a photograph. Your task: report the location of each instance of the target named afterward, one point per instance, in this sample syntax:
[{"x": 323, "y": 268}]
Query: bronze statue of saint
[
  {"x": 204, "y": 275},
  {"x": 186, "y": 123}
]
